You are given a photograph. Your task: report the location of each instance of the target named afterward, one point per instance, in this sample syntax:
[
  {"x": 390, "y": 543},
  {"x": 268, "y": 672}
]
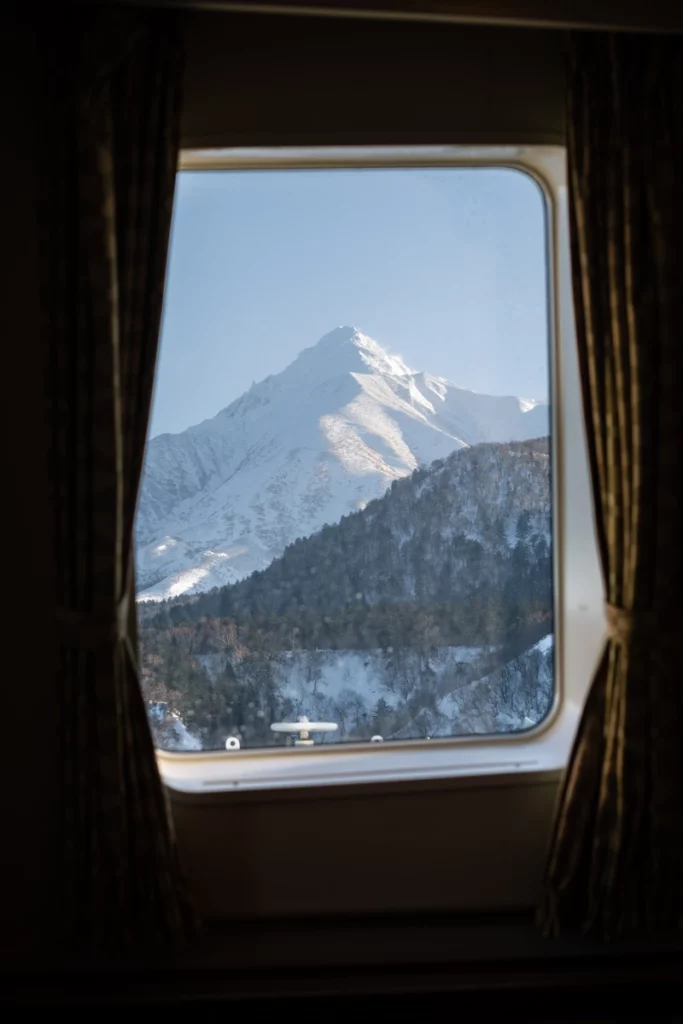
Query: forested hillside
[{"x": 426, "y": 612}]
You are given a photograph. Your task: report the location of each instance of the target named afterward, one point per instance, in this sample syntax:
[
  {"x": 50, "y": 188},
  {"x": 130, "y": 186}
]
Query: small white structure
[
  {"x": 232, "y": 743},
  {"x": 304, "y": 728}
]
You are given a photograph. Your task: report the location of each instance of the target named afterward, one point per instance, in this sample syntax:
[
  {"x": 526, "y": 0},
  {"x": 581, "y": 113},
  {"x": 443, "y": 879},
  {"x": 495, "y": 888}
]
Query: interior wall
[
  {"x": 464, "y": 845},
  {"x": 612, "y": 15},
  {"x": 29, "y": 845},
  {"x": 283, "y": 80},
  {"x": 642, "y": 15}
]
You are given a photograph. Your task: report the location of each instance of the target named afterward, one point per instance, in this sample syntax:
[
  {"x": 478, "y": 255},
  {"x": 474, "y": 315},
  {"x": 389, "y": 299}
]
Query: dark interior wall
[
  {"x": 28, "y": 843},
  {"x": 257, "y": 80},
  {"x": 440, "y": 845},
  {"x": 646, "y": 15}
]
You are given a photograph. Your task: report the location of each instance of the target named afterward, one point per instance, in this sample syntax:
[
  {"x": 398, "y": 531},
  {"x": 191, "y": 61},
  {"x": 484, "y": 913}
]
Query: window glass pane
[{"x": 345, "y": 513}]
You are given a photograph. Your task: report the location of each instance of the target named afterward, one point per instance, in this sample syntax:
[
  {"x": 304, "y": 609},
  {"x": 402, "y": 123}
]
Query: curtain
[
  {"x": 113, "y": 100},
  {"x": 616, "y": 861}
]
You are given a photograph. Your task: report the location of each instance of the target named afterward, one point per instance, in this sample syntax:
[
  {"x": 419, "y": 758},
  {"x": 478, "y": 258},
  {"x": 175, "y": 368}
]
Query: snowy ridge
[{"x": 300, "y": 449}]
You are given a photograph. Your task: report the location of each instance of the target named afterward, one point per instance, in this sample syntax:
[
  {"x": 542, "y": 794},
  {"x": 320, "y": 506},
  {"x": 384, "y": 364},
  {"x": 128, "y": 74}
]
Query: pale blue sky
[{"x": 446, "y": 267}]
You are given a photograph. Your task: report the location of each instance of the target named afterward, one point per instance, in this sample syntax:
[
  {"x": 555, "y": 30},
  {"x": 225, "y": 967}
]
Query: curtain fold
[
  {"x": 616, "y": 861},
  {"x": 113, "y": 79}
]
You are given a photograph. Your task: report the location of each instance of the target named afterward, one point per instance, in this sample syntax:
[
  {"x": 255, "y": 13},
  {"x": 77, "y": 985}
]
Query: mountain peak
[
  {"x": 349, "y": 349},
  {"x": 339, "y": 336}
]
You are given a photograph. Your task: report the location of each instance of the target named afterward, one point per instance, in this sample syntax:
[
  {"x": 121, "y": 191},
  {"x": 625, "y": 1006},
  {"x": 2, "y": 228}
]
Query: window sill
[{"x": 545, "y": 750}]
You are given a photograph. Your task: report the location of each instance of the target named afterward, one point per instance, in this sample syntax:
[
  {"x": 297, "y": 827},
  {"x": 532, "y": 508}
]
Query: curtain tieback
[
  {"x": 89, "y": 632},
  {"x": 625, "y": 623}
]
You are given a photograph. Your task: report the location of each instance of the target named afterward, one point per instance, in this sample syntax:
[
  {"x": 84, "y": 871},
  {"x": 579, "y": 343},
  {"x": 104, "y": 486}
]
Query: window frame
[{"x": 545, "y": 747}]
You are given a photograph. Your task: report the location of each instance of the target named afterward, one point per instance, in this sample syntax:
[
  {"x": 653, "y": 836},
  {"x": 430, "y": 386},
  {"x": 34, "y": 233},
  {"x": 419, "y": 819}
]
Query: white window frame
[{"x": 578, "y": 592}]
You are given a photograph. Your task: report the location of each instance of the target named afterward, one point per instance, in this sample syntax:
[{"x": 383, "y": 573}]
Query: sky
[{"x": 445, "y": 267}]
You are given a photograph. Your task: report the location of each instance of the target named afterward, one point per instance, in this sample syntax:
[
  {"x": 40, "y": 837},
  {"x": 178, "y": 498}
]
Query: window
[{"x": 348, "y": 534}]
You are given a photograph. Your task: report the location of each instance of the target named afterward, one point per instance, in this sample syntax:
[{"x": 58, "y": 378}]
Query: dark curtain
[
  {"x": 616, "y": 861},
  {"x": 112, "y": 93}
]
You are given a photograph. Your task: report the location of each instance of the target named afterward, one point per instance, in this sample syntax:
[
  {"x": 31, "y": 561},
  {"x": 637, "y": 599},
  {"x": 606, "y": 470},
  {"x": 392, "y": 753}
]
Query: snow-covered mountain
[
  {"x": 474, "y": 528},
  {"x": 300, "y": 449}
]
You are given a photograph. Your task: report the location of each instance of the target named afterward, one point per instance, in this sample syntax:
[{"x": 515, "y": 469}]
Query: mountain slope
[
  {"x": 301, "y": 449},
  {"x": 473, "y": 527}
]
